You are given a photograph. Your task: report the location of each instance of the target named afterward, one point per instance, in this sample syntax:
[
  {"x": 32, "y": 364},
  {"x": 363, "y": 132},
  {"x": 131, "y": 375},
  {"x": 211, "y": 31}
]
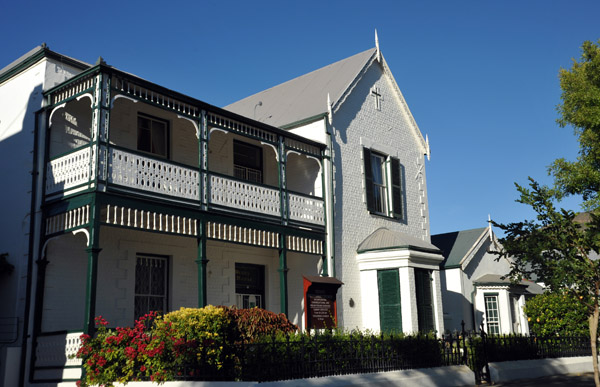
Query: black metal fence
[{"x": 302, "y": 356}]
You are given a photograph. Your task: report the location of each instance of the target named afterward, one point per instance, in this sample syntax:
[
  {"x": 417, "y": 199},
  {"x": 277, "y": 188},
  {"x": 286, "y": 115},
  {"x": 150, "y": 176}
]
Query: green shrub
[{"x": 556, "y": 314}]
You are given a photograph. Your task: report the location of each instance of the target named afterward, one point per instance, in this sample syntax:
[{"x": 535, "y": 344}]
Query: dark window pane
[
  {"x": 143, "y": 141},
  {"x": 142, "y": 277}
]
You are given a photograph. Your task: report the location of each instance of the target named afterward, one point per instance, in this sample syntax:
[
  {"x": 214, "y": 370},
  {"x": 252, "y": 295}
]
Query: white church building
[{"x": 127, "y": 197}]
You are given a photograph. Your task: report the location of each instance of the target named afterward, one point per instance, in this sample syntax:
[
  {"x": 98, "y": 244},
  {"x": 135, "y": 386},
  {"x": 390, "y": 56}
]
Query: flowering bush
[
  {"x": 122, "y": 355},
  {"x": 188, "y": 343},
  {"x": 256, "y": 323}
]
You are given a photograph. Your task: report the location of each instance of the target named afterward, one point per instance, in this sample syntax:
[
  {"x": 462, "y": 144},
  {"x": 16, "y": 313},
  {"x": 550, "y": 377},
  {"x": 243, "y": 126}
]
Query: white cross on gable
[{"x": 378, "y": 97}]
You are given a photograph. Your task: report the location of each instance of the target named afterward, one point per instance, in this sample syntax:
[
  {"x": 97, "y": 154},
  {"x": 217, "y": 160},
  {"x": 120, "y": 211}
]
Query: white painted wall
[
  {"x": 389, "y": 129},
  {"x": 20, "y": 98}
]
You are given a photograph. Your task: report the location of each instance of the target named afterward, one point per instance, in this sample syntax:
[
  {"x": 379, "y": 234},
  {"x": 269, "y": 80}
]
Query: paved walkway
[{"x": 574, "y": 380}]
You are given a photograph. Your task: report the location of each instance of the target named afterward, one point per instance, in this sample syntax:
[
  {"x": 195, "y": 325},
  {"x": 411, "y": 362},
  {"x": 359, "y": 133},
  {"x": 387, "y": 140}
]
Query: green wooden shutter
[
  {"x": 390, "y": 310},
  {"x": 369, "y": 179},
  {"x": 424, "y": 300},
  {"x": 396, "y": 188}
]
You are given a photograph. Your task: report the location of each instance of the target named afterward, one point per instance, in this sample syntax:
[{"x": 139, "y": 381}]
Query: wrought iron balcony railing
[{"x": 141, "y": 173}]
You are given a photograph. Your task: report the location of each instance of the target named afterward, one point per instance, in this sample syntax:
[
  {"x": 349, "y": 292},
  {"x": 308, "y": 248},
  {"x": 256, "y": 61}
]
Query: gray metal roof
[
  {"x": 455, "y": 245},
  {"x": 384, "y": 239},
  {"x": 306, "y": 96}
]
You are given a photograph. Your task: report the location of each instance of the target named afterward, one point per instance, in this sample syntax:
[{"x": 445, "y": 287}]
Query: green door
[
  {"x": 424, "y": 300},
  {"x": 390, "y": 310}
]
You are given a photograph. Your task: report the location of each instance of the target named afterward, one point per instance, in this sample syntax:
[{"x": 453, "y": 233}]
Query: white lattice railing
[
  {"x": 68, "y": 171},
  {"x": 244, "y": 196},
  {"x": 306, "y": 209},
  {"x": 56, "y": 350},
  {"x": 143, "y": 173}
]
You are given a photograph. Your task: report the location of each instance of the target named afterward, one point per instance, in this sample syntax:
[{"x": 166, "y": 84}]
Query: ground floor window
[
  {"x": 151, "y": 273},
  {"x": 249, "y": 285},
  {"x": 390, "y": 308},
  {"x": 492, "y": 315}
]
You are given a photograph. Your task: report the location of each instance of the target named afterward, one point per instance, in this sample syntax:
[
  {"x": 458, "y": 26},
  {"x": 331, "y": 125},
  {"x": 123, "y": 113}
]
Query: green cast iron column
[
  {"x": 93, "y": 251},
  {"x": 201, "y": 262},
  {"x": 283, "y": 269}
]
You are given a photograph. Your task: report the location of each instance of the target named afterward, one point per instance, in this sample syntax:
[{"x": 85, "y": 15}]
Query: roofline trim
[
  {"x": 192, "y": 101},
  {"x": 303, "y": 121},
  {"x": 36, "y": 57},
  {"x": 402, "y": 247}
]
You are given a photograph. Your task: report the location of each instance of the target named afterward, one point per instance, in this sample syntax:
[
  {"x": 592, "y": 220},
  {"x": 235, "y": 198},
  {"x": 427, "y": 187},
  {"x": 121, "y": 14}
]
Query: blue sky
[{"x": 480, "y": 77}]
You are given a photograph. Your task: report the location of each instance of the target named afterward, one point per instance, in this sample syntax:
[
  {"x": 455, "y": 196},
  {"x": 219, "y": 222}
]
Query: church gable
[{"x": 371, "y": 123}]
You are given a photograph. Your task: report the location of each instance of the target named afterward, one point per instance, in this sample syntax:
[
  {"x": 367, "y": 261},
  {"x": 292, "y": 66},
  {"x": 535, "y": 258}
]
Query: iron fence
[{"x": 302, "y": 356}]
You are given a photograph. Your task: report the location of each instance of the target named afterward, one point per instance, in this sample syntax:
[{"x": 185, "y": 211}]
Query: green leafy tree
[
  {"x": 558, "y": 248},
  {"x": 556, "y": 313},
  {"x": 580, "y": 108}
]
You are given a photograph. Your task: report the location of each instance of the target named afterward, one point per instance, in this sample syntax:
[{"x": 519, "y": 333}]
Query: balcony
[{"x": 140, "y": 174}]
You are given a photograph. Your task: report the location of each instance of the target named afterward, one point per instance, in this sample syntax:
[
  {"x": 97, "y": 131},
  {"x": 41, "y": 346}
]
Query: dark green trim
[
  {"x": 67, "y": 194},
  {"x": 234, "y": 219},
  {"x": 304, "y": 121},
  {"x": 283, "y": 270},
  {"x": 507, "y": 284},
  {"x": 93, "y": 251},
  {"x": 202, "y": 261},
  {"x": 68, "y": 203},
  {"x": 35, "y": 57},
  {"x": 61, "y": 332},
  {"x": 165, "y": 198},
  {"x": 71, "y": 98},
  {"x": 403, "y": 247},
  {"x": 53, "y": 380},
  {"x": 56, "y": 367}
]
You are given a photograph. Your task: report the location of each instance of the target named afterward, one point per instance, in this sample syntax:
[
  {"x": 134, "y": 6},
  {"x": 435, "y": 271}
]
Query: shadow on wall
[{"x": 17, "y": 161}]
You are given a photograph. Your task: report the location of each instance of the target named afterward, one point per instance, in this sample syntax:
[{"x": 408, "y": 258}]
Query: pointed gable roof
[
  {"x": 456, "y": 245},
  {"x": 314, "y": 95},
  {"x": 306, "y": 96}
]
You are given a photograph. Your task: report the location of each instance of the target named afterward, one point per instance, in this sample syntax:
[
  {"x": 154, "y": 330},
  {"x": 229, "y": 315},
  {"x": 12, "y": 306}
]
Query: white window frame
[{"x": 492, "y": 323}]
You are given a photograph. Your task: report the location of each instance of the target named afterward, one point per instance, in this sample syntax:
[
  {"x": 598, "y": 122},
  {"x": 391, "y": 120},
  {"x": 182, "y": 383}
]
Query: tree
[
  {"x": 556, "y": 313},
  {"x": 559, "y": 248},
  {"x": 580, "y": 108}
]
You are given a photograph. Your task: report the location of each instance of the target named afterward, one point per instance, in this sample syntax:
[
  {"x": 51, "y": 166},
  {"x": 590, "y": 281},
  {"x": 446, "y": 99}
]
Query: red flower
[
  {"x": 101, "y": 321},
  {"x": 143, "y": 368}
]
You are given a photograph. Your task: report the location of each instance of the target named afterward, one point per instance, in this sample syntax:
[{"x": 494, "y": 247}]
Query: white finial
[
  {"x": 490, "y": 227},
  {"x": 377, "y": 46},
  {"x": 329, "y": 112},
  {"x": 428, "y": 149}
]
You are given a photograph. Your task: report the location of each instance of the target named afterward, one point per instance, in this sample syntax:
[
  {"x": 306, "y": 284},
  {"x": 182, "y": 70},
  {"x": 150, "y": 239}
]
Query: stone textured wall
[{"x": 358, "y": 122}]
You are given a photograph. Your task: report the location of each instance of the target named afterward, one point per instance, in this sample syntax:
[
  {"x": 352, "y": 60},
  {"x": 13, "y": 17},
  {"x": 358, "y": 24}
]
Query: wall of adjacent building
[{"x": 20, "y": 98}]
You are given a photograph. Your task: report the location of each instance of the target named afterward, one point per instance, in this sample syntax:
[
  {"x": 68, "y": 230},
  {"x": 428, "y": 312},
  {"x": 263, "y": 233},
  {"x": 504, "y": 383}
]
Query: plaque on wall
[{"x": 320, "y": 301}]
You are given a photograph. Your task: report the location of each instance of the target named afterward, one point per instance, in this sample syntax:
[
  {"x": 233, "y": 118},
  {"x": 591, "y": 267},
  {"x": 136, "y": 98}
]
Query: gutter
[{"x": 32, "y": 220}]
